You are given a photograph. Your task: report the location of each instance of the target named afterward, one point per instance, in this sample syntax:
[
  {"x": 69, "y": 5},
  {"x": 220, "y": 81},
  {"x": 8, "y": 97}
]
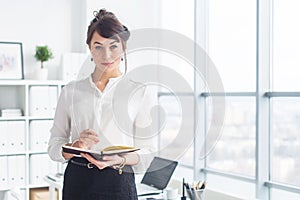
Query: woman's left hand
[{"x": 106, "y": 162}]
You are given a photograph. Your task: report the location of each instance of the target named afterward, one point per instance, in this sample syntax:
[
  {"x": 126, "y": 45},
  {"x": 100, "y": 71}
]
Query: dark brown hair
[{"x": 107, "y": 25}]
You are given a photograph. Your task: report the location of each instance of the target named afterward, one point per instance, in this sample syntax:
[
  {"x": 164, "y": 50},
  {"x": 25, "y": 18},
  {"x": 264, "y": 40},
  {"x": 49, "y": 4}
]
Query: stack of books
[{"x": 11, "y": 112}]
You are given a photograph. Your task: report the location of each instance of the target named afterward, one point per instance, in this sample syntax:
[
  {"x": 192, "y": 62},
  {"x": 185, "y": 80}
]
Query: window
[
  {"x": 232, "y": 47},
  {"x": 285, "y": 141},
  {"x": 232, "y": 42},
  {"x": 285, "y": 101},
  {"x": 254, "y": 46},
  {"x": 235, "y": 151},
  {"x": 286, "y": 43}
]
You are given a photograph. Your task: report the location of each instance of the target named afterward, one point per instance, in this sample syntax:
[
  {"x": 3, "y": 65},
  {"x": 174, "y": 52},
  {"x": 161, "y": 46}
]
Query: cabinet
[{"x": 23, "y": 139}]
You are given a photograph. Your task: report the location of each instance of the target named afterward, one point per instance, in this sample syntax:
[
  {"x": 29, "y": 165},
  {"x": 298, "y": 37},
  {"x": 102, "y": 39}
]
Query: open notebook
[{"x": 156, "y": 177}]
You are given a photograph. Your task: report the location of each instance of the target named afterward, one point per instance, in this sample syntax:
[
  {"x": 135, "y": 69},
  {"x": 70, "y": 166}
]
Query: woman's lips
[{"x": 107, "y": 64}]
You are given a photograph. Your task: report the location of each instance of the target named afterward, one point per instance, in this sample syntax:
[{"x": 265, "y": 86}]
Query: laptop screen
[{"x": 159, "y": 173}]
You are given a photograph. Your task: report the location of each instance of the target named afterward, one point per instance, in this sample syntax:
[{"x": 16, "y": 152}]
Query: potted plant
[{"x": 42, "y": 54}]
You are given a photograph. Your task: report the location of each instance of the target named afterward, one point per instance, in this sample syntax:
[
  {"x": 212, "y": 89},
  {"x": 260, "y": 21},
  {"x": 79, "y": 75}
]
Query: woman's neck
[{"x": 101, "y": 78}]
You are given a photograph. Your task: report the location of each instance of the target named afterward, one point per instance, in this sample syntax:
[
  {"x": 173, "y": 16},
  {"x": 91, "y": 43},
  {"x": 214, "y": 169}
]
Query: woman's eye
[
  {"x": 98, "y": 47},
  {"x": 113, "y": 47}
]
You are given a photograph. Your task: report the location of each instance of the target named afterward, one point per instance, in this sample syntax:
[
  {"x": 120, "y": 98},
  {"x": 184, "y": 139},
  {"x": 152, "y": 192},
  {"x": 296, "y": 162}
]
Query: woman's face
[{"x": 106, "y": 52}]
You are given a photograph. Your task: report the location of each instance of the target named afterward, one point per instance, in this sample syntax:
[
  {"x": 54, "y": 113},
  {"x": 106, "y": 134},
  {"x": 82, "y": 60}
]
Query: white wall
[
  {"x": 62, "y": 25},
  {"x": 134, "y": 14},
  {"x": 37, "y": 22}
]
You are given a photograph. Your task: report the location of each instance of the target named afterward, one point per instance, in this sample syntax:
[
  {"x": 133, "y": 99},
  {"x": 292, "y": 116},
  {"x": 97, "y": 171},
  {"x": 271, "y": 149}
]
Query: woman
[{"x": 85, "y": 116}]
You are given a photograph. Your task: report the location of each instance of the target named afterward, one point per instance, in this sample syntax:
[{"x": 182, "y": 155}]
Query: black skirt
[{"x": 83, "y": 183}]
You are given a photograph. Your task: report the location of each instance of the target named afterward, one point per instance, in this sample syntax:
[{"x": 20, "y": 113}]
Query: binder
[
  {"x": 35, "y": 169},
  {"x": 37, "y": 173},
  {"x": 3, "y": 136},
  {"x": 52, "y": 100},
  {"x": 3, "y": 171},
  {"x": 16, "y": 170},
  {"x": 43, "y": 100},
  {"x": 12, "y": 171},
  {"x": 38, "y": 97},
  {"x": 16, "y": 136},
  {"x": 20, "y": 170},
  {"x": 39, "y": 134}
]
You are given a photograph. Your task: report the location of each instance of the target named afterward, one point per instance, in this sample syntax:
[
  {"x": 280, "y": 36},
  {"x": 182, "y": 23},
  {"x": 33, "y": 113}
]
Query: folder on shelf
[
  {"x": 38, "y": 98},
  {"x": 16, "y": 170},
  {"x": 12, "y": 171},
  {"x": 20, "y": 170},
  {"x": 16, "y": 136},
  {"x": 3, "y": 136},
  {"x": 43, "y": 100},
  {"x": 3, "y": 171},
  {"x": 52, "y": 100},
  {"x": 38, "y": 173},
  {"x": 39, "y": 134}
]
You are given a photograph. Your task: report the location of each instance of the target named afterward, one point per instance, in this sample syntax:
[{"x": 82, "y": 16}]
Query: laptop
[{"x": 157, "y": 176}]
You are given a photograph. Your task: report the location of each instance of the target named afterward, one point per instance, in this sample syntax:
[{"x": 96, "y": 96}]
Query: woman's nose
[{"x": 106, "y": 54}]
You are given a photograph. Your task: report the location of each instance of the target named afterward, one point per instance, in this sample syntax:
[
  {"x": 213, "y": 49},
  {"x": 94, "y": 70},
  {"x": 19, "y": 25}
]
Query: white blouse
[{"x": 120, "y": 115}]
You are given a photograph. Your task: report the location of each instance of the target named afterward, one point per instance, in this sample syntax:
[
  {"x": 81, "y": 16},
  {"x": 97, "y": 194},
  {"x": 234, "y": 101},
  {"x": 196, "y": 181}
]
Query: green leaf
[{"x": 43, "y": 53}]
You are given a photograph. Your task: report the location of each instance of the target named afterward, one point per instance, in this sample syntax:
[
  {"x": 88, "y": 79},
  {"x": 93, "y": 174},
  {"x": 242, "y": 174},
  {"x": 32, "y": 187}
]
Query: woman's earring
[
  {"x": 92, "y": 59},
  {"x": 121, "y": 59}
]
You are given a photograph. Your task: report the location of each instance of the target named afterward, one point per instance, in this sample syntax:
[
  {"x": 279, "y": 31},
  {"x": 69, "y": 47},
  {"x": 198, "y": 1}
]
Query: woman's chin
[{"x": 104, "y": 68}]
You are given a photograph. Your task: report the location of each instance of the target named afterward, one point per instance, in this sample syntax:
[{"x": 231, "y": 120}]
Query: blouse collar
[{"x": 111, "y": 82}]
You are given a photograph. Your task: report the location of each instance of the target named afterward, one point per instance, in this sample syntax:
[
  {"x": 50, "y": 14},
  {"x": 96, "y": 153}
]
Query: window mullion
[{"x": 262, "y": 102}]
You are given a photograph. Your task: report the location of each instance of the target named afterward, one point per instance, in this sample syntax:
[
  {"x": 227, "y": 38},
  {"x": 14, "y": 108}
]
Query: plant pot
[{"x": 41, "y": 74}]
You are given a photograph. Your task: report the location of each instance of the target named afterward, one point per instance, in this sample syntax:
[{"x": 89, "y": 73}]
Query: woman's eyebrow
[
  {"x": 113, "y": 42},
  {"x": 102, "y": 44},
  {"x": 98, "y": 43}
]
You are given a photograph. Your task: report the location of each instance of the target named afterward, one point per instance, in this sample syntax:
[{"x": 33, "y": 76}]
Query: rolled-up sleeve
[
  {"x": 145, "y": 130},
  {"x": 60, "y": 131}
]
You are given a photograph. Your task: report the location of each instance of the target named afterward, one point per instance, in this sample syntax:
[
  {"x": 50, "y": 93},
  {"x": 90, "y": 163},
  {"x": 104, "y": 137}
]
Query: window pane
[
  {"x": 281, "y": 194},
  {"x": 232, "y": 42},
  {"x": 235, "y": 151},
  {"x": 285, "y": 143},
  {"x": 238, "y": 188},
  {"x": 178, "y": 16},
  {"x": 286, "y": 32},
  {"x": 170, "y": 130}
]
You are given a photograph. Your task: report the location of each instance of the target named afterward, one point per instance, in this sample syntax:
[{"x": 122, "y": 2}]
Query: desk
[
  {"x": 58, "y": 184},
  {"x": 160, "y": 196}
]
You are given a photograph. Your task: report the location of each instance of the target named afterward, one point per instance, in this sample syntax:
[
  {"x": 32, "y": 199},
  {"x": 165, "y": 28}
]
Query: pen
[{"x": 183, "y": 188}]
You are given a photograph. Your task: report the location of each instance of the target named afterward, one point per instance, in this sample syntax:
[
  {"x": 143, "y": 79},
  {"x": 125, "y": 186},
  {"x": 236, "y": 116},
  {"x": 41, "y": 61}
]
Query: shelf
[
  {"x": 38, "y": 105},
  {"x": 37, "y": 152},
  {"x": 10, "y": 188},
  {"x": 12, "y": 118},
  {"x": 31, "y": 82},
  {"x": 13, "y": 153},
  {"x": 31, "y": 186},
  {"x": 40, "y": 118}
]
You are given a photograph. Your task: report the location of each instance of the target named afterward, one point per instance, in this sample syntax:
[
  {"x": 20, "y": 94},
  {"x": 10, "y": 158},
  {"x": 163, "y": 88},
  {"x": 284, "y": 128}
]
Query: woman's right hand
[{"x": 87, "y": 139}]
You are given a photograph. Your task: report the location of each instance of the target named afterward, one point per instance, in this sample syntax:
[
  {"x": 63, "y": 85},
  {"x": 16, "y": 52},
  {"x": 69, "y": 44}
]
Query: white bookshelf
[{"x": 17, "y": 94}]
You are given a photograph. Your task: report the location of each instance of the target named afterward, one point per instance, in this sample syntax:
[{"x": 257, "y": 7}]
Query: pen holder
[{"x": 195, "y": 194}]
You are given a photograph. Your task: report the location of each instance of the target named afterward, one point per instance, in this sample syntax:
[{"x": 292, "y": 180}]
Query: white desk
[
  {"x": 58, "y": 184},
  {"x": 161, "y": 196}
]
